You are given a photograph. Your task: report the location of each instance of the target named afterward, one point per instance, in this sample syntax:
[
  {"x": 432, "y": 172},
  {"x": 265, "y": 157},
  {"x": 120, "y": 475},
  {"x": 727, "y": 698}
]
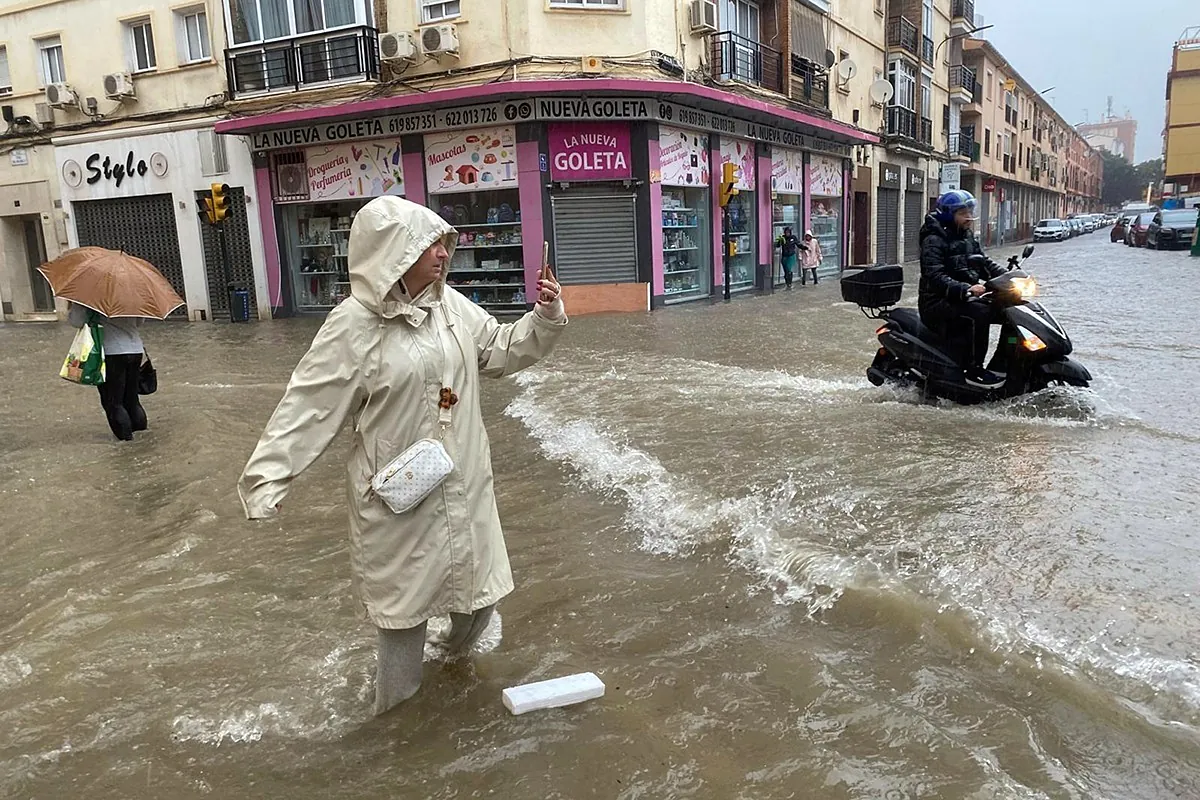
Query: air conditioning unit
[
  {"x": 703, "y": 16},
  {"x": 60, "y": 95},
  {"x": 118, "y": 85},
  {"x": 398, "y": 46},
  {"x": 440, "y": 40}
]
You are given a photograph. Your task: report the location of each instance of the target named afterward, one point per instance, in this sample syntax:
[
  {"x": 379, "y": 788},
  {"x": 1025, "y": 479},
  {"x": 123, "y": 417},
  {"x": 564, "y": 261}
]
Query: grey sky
[{"x": 1089, "y": 49}]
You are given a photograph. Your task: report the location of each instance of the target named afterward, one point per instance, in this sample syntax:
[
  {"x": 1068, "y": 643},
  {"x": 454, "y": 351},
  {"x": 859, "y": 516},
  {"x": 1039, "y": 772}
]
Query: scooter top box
[{"x": 874, "y": 287}]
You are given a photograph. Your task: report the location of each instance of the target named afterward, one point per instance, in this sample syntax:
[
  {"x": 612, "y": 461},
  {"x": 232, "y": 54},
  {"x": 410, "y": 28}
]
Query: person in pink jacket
[{"x": 810, "y": 258}]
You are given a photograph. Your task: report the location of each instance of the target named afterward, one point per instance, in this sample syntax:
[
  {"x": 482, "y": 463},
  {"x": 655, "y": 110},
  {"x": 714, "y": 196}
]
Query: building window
[
  {"x": 989, "y": 84},
  {"x": 608, "y": 5},
  {"x": 436, "y": 10},
  {"x": 926, "y": 97},
  {"x": 192, "y": 29},
  {"x": 987, "y": 141},
  {"x": 5, "y": 80},
  {"x": 253, "y": 21},
  {"x": 50, "y": 61},
  {"x": 904, "y": 80},
  {"x": 141, "y": 46}
]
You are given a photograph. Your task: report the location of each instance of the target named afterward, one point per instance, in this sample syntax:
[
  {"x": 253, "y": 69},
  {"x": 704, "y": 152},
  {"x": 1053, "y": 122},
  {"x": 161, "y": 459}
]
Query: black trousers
[
  {"x": 964, "y": 327},
  {"x": 119, "y": 395}
]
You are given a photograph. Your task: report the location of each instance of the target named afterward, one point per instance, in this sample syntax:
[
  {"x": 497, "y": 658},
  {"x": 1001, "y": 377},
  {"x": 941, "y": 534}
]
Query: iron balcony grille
[
  {"x": 902, "y": 33},
  {"x": 926, "y": 131},
  {"x": 963, "y": 145},
  {"x": 737, "y": 58},
  {"x": 963, "y": 77},
  {"x": 901, "y": 121},
  {"x": 927, "y": 49},
  {"x": 808, "y": 85},
  {"x": 313, "y": 59},
  {"x": 964, "y": 9}
]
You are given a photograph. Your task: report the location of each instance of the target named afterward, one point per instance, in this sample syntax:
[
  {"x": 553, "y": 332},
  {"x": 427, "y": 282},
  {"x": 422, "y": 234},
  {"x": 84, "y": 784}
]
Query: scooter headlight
[
  {"x": 1025, "y": 287},
  {"x": 1030, "y": 341}
]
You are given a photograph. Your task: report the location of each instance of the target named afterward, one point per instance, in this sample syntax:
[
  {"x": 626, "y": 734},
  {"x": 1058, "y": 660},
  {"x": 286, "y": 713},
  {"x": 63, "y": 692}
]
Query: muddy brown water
[{"x": 794, "y": 584}]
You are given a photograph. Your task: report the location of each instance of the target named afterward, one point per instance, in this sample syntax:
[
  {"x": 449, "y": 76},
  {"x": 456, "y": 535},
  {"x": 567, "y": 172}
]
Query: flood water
[{"x": 794, "y": 584}]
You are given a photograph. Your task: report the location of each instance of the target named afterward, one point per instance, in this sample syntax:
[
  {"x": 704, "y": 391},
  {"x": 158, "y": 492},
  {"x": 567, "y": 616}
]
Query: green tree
[{"x": 1120, "y": 180}]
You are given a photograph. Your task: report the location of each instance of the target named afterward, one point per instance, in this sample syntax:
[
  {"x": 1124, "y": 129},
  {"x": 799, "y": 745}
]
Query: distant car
[
  {"x": 1051, "y": 230},
  {"x": 1136, "y": 237},
  {"x": 1171, "y": 229},
  {"x": 1120, "y": 227},
  {"x": 1076, "y": 226}
]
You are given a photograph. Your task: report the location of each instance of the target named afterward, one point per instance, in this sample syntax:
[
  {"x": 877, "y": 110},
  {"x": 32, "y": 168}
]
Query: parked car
[
  {"x": 1171, "y": 229},
  {"x": 1076, "y": 226},
  {"x": 1051, "y": 230},
  {"x": 1136, "y": 237},
  {"x": 1120, "y": 227}
]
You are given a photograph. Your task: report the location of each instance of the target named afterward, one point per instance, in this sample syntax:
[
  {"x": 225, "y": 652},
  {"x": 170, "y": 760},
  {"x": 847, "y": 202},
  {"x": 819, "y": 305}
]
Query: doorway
[
  {"x": 861, "y": 249},
  {"x": 35, "y": 256}
]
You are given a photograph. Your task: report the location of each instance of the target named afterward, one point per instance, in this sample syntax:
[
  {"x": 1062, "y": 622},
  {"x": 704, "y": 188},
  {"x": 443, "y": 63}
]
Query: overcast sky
[{"x": 1090, "y": 49}]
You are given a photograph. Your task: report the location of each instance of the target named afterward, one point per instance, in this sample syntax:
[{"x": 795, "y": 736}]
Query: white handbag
[{"x": 411, "y": 476}]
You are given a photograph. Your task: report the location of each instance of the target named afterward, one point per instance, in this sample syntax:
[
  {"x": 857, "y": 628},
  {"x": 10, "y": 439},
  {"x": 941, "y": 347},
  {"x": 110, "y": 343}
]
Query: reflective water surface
[{"x": 794, "y": 584}]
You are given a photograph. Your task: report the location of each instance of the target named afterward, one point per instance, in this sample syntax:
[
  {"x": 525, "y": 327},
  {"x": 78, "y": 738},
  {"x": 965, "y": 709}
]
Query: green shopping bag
[{"x": 85, "y": 360}]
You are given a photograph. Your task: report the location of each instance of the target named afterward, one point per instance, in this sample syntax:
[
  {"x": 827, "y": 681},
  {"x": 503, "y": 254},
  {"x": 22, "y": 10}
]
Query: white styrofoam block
[{"x": 553, "y": 693}]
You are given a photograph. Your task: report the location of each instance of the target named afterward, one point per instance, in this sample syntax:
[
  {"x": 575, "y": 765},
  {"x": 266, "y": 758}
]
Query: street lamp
[{"x": 971, "y": 32}]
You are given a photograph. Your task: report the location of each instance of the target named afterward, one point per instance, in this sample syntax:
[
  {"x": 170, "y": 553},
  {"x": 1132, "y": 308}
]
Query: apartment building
[
  {"x": 1181, "y": 140},
  {"x": 107, "y": 140},
  {"x": 598, "y": 126},
  {"x": 1016, "y": 154}
]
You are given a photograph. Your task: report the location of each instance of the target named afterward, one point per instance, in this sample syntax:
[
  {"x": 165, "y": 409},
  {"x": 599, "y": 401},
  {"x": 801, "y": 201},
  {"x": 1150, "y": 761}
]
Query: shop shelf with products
[
  {"x": 488, "y": 265},
  {"x": 686, "y": 240},
  {"x": 318, "y": 236}
]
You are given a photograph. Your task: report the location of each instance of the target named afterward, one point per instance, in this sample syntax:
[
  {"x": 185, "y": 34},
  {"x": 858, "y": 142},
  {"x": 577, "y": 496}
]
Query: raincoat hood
[{"x": 389, "y": 234}]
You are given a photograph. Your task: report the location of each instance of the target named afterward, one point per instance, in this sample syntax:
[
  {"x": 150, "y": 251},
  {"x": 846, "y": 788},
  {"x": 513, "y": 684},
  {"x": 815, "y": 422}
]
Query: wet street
[{"x": 794, "y": 584}]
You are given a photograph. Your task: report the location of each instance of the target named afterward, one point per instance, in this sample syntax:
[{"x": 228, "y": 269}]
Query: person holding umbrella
[{"x": 116, "y": 291}]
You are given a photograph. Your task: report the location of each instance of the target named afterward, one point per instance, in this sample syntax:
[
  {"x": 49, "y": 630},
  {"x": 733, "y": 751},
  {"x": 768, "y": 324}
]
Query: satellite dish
[
  {"x": 881, "y": 91},
  {"x": 830, "y": 59},
  {"x": 847, "y": 69}
]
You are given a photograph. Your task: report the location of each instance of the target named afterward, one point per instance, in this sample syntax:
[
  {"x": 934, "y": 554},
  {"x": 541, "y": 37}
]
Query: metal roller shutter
[
  {"x": 887, "y": 227},
  {"x": 141, "y": 226},
  {"x": 914, "y": 217},
  {"x": 595, "y": 239},
  {"x": 241, "y": 263}
]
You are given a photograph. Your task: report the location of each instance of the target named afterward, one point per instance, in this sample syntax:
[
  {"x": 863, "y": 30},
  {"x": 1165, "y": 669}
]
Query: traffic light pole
[
  {"x": 725, "y": 240},
  {"x": 229, "y": 285}
]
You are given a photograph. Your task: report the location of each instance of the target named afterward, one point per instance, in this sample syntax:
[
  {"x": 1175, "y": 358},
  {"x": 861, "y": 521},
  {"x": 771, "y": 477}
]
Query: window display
[
  {"x": 787, "y": 187},
  {"x": 742, "y": 214},
  {"x": 687, "y": 270},
  {"x": 318, "y": 239},
  {"x": 825, "y": 213},
  {"x": 488, "y": 265}
]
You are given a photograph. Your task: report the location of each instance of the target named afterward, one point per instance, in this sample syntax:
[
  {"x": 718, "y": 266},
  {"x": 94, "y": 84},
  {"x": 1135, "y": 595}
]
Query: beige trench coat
[{"x": 378, "y": 362}]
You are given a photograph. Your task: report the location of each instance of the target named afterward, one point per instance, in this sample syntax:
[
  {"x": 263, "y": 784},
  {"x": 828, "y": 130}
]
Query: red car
[
  {"x": 1136, "y": 237},
  {"x": 1120, "y": 228}
]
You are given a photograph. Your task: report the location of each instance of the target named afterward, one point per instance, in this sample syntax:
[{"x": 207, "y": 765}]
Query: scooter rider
[{"x": 953, "y": 269}]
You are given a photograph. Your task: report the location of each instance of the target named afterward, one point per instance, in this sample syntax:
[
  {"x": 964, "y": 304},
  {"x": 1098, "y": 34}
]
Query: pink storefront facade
[{"x": 619, "y": 176}]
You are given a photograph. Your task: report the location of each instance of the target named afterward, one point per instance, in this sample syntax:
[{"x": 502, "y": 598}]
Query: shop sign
[
  {"x": 989, "y": 185},
  {"x": 708, "y": 121},
  {"x": 114, "y": 171},
  {"x": 381, "y": 127},
  {"x": 916, "y": 180},
  {"x": 826, "y": 177},
  {"x": 365, "y": 169},
  {"x": 683, "y": 157},
  {"x": 590, "y": 151},
  {"x": 889, "y": 175},
  {"x": 471, "y": 161},
  {"x": 951, "y": 177},
  {"x": 740, "y": 152},
  {"x": 787, "y": 171}
]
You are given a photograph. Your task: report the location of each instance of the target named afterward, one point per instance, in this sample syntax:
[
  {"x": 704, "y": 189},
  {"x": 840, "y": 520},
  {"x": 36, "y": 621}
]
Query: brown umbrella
[{"x": 112, "y": 282}]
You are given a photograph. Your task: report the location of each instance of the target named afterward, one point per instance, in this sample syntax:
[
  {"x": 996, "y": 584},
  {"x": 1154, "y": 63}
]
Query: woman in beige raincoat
[{"x": 381, "y": 361}]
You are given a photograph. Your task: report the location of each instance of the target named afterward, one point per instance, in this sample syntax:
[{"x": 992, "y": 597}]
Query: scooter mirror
[{"x": 1028, "y": 251}]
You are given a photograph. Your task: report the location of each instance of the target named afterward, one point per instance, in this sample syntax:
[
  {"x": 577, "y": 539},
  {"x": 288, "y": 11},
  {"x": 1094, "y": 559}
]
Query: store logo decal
[{"x": 114, "y": 172}]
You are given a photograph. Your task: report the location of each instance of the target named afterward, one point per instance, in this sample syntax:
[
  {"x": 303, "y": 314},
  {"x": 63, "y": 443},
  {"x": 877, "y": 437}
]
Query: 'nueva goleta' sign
[{"x": 590, "y": 151}]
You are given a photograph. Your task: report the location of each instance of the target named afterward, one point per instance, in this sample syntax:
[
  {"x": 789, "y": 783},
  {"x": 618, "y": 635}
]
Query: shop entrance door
[
  {"x": 887, "y": 227},
  {"x": 595, "y": 238},
  {"x": 914, "y": 216},
  {"x": 862, "y": 228},
  {"x": 35, "y": 254},
  {"x": 241, "y": 263},
  {"x": 141, "y": 226}
]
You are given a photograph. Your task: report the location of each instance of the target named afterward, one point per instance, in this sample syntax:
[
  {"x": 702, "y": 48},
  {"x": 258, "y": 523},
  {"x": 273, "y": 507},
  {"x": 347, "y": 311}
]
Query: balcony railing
[
  {"x": 963, "y": 9},
  {"x": 926, "y": 131},
  {"x": 901, "y": 121},
  {"x": 314, "y": 59},
  {"x": 963, "y": 77},
  {"x": 808, "y": 85},
  {"x": 927, "y": 49},
  {"x": 737, "y": 58},
  {"x": 963, "y": 145},
  {"x": 902, "y": 33}
]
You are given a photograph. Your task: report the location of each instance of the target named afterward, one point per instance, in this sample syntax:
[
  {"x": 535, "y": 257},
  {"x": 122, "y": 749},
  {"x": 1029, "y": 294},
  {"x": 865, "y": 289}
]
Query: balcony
[
  {"x": 902, "y": 34},
  {"x": 900, "y": 122},
  {"x": 927, "y": 131},
  {"x": 927, "y": 49},
  {"x": 740, "y": 59},
  {"x": 302, "y": 62},
  {"x": 962, "y": 16},
  {"x": 962, "y": 84},
  {"x": 808, "y": 85},
  {"x": 963, "y": 146}
]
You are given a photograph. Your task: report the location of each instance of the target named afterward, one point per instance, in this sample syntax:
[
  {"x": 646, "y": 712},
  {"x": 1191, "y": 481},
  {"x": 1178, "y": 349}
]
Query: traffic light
[
  {"x": 216, "y": 205},
  {"x": 729, "y": 179}
]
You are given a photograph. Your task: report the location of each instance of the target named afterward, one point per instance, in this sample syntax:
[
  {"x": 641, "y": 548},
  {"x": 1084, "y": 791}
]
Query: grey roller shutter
[
  {"x": 241, "y": 262},
  {"x": 887, "y": 227},
  {"x": 914, "y": 217},
  {"x": 595, "y": 239},
  {"x": 141, "y": 226}
]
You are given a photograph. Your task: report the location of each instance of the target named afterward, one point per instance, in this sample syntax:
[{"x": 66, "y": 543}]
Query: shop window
[
  {"x": 687, "y": 230},
  {"x": 320, "y": 237},
  {"x": 140, "y": 37},
  {"x": 825, "y": 211}
]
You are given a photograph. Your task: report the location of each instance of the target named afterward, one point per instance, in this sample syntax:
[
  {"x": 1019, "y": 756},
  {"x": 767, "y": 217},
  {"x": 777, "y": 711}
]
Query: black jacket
[{"x": 946, "y": 273}]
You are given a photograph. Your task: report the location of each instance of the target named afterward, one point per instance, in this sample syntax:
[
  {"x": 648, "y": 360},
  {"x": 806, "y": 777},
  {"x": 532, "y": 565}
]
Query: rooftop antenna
[{"x": 1110, "y": 114}]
